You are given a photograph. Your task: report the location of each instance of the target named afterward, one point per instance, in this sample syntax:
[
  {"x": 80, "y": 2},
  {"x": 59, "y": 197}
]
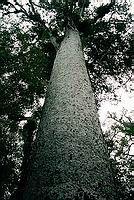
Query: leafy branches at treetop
[
  {"x": 104, "y": 33},
  {"x": 28, "y": 56}
]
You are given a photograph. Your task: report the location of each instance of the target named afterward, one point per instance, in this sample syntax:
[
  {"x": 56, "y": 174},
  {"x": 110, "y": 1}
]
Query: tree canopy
[{"x": 28, "y": 46}]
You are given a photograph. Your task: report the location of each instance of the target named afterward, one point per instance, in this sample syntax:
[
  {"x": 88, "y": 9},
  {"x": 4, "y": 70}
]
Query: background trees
[
  {"x": 119, "y": 139},
  {"x": 27, "y": 57}
]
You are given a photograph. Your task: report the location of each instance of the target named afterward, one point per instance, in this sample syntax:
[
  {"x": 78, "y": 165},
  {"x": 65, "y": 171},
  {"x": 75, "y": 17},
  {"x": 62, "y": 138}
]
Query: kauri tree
[{"x": 69, "y": 156}]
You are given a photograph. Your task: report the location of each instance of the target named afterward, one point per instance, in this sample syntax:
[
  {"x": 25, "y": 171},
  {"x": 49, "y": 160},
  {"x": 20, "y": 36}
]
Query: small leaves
[
  {"x": 119, "y": 141},
  {"x": 129, "y": 128}
]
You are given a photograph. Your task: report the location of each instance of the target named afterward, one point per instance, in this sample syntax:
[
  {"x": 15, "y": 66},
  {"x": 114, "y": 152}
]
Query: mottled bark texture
[{"x": 70, "y": 160}]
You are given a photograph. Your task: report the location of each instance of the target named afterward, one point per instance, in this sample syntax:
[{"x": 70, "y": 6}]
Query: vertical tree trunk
[{"x": 70, "y": 159}]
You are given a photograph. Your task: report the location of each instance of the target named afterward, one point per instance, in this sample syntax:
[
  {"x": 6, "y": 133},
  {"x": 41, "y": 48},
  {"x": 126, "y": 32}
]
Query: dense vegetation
[{"x": 26, "y": 60}]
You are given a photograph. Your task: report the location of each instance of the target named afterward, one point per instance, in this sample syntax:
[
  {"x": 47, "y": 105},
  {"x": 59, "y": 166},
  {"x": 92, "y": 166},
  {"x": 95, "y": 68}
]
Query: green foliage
[
  {"x": 105, "y": 39},
  {"x": 128, "y": 128},
  {"x": 26, "y": 60},
  {"x": 24, "y": 72},
  {"x": 10, "y": 157},
  {"x": 4, "y": 2},
  {"x": 119, "y": 141},
  {"x": 23, "y": 81}
]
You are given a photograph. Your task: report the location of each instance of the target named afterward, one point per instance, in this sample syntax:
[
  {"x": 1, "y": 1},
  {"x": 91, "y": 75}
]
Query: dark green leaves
[
  {"x": 25, "y": 70},
  {"x": 128, "y": 128}
]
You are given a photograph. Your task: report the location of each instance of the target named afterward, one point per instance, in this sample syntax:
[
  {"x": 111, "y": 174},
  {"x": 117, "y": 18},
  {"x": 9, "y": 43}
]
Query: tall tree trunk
[{"x": 70, "y": 159}]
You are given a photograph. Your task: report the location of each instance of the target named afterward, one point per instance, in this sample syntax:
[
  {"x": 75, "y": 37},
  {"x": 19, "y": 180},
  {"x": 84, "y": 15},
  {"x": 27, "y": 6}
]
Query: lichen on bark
[{"x": 69, "y": 156}]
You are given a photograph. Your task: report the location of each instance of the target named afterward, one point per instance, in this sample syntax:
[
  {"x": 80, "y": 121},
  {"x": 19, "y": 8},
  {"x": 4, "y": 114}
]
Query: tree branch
[
  {"x": 33, "y": 16},
  {"x": 103, "y": 10},
  {"x": 32, "y": 7},
  {"x": 22, "y": 8}
]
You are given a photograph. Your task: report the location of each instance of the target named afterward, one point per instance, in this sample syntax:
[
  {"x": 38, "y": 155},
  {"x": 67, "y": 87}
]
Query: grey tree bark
[{"x": 70, "y": 161}]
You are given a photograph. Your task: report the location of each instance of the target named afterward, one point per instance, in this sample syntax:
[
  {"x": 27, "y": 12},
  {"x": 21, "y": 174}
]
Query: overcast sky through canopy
[
  {"x": 126, "y": 101},
  {"x": 126, "y": 97}
]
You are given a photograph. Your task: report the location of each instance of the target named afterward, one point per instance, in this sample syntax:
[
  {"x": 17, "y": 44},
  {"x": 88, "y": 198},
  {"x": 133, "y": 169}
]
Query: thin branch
[
  {"x": 103, "y": 10},
  {"x": 33, "y": 17},
  {"x": 32, "y": 6},
  {"x": 22, "y": 8},
  {"x": 12, "y": 5}
]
